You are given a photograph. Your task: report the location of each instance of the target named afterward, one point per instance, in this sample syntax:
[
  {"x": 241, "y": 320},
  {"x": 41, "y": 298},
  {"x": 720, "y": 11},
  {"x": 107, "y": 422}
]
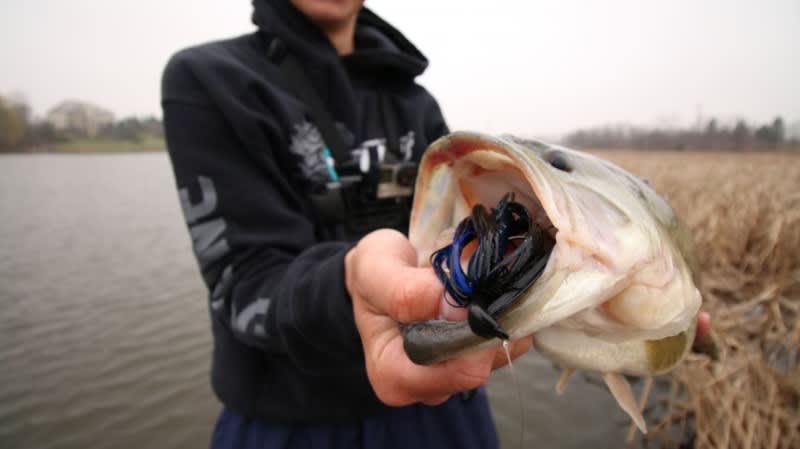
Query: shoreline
[{"x": 101, "y": 147}]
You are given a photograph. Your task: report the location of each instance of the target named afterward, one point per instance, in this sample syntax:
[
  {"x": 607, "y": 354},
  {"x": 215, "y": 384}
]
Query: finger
[
  {"x": 397, "y": 381},
  {"x": 450, "y": 313},
  {"x": 436, "y": 401},
  {"x": 703, "y": 341},
  {"x": 516, "y": 349},
  {"x": 387, "y": 277},
  {"x": 703, "y": 323},
  {"x": 404, "y": 293},
  {"x": 415, "y": 296}
]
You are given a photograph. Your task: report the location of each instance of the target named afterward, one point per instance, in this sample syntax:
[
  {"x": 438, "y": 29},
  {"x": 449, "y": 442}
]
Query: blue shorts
[{"x": 458, "y": 423}]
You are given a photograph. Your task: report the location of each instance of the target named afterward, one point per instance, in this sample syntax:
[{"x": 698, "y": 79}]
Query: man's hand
[
  {"x": 703, "y": 323},
  {"x": 388, "y": 289},
  {"x": 703, "y": 342}
]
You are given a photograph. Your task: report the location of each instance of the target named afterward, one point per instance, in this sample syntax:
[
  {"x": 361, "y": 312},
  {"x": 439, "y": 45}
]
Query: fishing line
[{"x": 506, "y": 345}]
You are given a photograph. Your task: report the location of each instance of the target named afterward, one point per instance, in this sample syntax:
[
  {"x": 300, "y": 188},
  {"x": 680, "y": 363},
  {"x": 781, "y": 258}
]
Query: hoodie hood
[{"x": 379, "y": 47}]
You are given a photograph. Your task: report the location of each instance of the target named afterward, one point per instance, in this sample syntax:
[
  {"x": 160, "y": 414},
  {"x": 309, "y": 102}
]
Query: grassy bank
[
  {"x": 88, "y": 145},
  {"x": 95, "y": 145}
]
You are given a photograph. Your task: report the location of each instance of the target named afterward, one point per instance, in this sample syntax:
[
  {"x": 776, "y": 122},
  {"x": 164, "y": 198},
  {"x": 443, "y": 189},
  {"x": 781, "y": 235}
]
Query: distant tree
[
  {"x": 710, "y": 137},
  {"x": 153, "y": 127},
  {"x": 792, "y": 134},
  {"x": 43, "y": 133},
  {"x": 130, "y": 129},
  {"x": 133, "y": 129},
  {"x": 771, "y": 136},
  {"x": 778, "y": 130},
  {"x": 12, "y": 124},
  {"x": 711, "y": 127},
  {"x": 740, "y": 135}
]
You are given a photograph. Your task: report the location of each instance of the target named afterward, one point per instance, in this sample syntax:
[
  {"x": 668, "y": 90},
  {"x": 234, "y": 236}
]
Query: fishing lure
[{"x": 510, "y": 253}]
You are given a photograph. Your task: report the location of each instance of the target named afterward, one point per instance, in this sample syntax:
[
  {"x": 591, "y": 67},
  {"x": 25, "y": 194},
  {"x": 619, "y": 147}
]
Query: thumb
[
  {"x": 387, "y": 277},
  {"x": 415, "y": 296}
]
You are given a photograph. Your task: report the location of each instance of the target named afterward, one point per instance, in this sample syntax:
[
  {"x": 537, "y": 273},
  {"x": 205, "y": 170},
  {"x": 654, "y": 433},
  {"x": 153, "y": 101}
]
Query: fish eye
[{"x": 558, "y": 160}]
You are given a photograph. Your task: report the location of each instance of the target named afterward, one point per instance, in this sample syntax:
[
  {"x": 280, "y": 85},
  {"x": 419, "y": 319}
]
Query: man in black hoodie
[{"x": 307, "y": 350}]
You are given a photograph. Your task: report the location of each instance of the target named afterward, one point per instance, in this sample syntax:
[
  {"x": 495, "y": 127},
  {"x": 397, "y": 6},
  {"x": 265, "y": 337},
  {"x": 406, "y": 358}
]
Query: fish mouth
[
  {"x": 464, "y": 170},
  {"x": 459, "y": 174}
]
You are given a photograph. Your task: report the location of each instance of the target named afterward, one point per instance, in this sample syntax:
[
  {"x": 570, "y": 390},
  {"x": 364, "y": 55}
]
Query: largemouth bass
[{"x": 616, "y": 291}]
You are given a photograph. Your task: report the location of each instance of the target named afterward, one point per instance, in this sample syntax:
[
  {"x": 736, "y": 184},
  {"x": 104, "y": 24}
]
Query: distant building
[{"x": 79, "y": 116}]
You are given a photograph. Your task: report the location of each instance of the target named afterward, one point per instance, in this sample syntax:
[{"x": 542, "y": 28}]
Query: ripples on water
[
  {"x": 103, "y": 324},
  {"x": 104, "y": 328}
]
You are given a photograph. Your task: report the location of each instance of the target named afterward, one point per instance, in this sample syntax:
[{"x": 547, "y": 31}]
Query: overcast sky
[{"x": 529, "y": 67}]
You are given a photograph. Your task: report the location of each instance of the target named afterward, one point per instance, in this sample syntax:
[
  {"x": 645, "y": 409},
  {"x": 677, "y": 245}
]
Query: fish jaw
[{"x": 611, "y": 249}]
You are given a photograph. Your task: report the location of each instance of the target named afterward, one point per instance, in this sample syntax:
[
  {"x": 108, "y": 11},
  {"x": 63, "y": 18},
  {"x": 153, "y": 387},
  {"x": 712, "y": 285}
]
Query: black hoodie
[{"x": 245, "y": 156}]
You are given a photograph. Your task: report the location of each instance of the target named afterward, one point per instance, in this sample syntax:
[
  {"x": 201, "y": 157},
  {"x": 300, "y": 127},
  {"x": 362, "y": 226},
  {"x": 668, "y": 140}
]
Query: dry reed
[{"x": 744, "y": 213}]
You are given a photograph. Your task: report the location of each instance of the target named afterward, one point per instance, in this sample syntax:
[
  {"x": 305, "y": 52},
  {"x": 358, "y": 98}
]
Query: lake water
[{"x": 104, "y": 328}]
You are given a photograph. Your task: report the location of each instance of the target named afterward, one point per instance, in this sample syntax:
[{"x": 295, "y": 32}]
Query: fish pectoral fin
[
  {"x": 562, "y": 381},
  {"x": 622, "y": 392}
]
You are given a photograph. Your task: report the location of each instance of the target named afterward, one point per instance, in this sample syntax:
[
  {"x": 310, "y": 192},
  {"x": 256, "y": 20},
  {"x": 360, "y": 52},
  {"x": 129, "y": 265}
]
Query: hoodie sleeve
[{"x": 271, "y": 283}]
